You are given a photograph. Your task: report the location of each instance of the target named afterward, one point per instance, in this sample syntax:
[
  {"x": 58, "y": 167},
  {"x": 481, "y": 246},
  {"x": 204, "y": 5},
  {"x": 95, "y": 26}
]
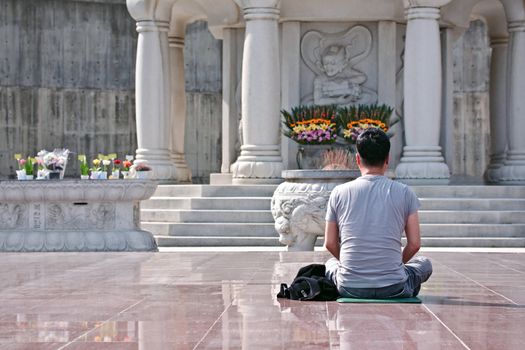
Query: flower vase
[
  {"x": 115, "y": 174},
  {"x": 84, "y": 177},
  {"x": 30, "y": 177},
  {"x": 142, "y": 175},
  {"x": 125, "y": 174},
  {"x": 54, "y": 175},
  {"x": 21, "y": 174}
]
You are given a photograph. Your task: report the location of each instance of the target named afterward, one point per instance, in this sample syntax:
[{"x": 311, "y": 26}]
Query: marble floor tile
[{"x": 227, "y": 300}]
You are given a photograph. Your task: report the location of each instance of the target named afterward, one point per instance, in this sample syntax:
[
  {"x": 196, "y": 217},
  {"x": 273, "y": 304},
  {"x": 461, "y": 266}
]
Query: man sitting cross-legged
[{"x": 365, "y": 220}]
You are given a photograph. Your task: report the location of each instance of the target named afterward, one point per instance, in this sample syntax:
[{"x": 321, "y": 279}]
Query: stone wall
[
  {"x": 471, "y": 123},
  {"x": 203, "y": 58},
  {"x": 66, "y": 78}
]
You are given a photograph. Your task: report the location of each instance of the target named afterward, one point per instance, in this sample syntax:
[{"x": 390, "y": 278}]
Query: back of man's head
[{"x": 373, "y": 145}]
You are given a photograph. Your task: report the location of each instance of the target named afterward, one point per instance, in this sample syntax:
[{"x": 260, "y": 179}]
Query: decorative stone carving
[
  {"x": 299, "y": 205},
  {"x": 13, "y": 216},
  {"x": 74, "y": 215},
  {"x": 332, "y": 57}
]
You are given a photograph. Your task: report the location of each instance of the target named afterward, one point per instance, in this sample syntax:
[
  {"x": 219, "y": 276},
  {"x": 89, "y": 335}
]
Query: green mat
[{"x": 414, "y": 300}]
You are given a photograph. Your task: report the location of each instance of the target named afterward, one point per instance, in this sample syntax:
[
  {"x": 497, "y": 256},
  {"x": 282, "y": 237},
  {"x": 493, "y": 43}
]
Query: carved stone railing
[
  {"x": 299, "y": 205},
  {"x": 74, "y": 215}
]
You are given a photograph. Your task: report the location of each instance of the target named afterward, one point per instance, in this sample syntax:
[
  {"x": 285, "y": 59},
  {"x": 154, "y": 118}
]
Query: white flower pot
[
  {"x": 142, "y": 175},
  {"x": 21, "y": 174},
  {"x": 125, "y": 174},
  {"x": 84, "y": 177},
  {"x": 115, "y": 175},
  {"x": 99, "y": 175}
]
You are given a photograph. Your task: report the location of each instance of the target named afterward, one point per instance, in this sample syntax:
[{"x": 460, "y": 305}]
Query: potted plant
[
  {"x": 84, "y": 168},
  {"x": 125, "y": 168},
  {"x": 96, "y": 170},
  {"x": 115, "y": 172},
  {"x": 314, "y": 128},
  {"x": 25, "y": 168},
  {"x": 29, "y": 166},
  {"x": 141, "y": 170}
]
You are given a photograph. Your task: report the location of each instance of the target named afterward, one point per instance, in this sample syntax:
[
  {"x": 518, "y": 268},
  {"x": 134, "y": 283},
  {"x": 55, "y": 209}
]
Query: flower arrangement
[
  {"x": 56, "y": 160},
  {"x": 126, "y": 165},
  {"x": 141, "y": 167},
  {"x": 355, "y": 119},
  {"x": 54, "y": 163},
  {"x": 313, "y": 125},
  {"x": 96, "y": 165}
]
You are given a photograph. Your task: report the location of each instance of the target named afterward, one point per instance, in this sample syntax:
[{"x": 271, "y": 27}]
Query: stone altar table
[
  {"x": 299, "y": 205},
  {"x": 74, "y": 215}
]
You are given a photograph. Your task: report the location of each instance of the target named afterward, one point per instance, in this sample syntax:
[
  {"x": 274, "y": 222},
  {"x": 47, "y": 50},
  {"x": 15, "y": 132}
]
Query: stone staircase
[{"x": 227, "y": 215}]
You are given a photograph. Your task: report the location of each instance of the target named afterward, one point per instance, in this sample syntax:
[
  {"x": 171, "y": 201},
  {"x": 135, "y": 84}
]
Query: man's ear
[{"x": 358, "y": 159}]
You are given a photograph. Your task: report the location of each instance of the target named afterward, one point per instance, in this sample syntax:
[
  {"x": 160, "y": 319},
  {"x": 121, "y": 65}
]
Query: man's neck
[{"x": 372, "y": 171}]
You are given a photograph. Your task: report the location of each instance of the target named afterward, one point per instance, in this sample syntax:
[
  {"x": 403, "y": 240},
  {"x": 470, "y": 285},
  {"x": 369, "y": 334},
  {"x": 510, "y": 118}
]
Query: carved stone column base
[
  {"x": 493, "y": 173},
  {"x": 182, "y": 172},
  {"x": 423, "y": 164},
  {"x": 513, "y": 170},
  {"x": 246, "y": 172},
  {"x": 160, "y": 162},
  {"x": 258, "y": 164}
]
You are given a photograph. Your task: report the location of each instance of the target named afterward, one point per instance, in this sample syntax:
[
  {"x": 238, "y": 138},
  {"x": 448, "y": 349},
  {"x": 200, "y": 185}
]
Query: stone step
[
  {"x": 208, "y": 203},
  {"x": 225, "y": 241},
  {"x": 471, "y": 217},
  {"x": 472, "y": 230},
  {"x": 214, "y": 229},
  {"x": 219, "y": 216},
  {"x": 215, "y": 191},
  {"x": 267, "y": 230},
  {"x": 509, "y": 242},
  {"x": 204, "y": 241},
  {"x": 469, "y": 191},
  {"x": 472, "y": 204}
]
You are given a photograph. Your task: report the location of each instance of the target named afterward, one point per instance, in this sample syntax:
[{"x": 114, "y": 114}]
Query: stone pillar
[
  {"x": 498, "y": 108},
  {"x": 422, "y": 160},
  {"x": 178, "y": 109},
  {"x": 152, "y": 86},
  {"x": 513, "y": 171},
  {"x": 260, "y": 160},
  {"x": 229, "y": 117},
  {"x": 290, "y": 82}
]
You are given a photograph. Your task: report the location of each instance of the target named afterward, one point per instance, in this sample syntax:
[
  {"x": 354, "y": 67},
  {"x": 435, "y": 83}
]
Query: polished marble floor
[{"x": 226, "y": 300}]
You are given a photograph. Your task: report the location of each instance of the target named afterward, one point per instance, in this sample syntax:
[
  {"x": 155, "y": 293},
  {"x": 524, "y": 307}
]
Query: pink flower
[{"x": 22, "y": 162}]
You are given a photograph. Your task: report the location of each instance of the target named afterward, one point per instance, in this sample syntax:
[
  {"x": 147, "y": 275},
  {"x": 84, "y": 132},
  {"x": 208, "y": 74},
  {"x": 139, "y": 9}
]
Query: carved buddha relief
[{"x": 333, "y": 57}]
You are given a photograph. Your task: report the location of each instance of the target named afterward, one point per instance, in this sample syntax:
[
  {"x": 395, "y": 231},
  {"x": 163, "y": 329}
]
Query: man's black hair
[{"x": 373, "y": 146}]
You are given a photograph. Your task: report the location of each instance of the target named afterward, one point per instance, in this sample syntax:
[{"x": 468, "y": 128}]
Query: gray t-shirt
[{"x": 371, "y": 213}]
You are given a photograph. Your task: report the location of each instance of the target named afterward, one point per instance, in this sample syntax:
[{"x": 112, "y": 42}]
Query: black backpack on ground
[{"x": 310, "y": 284}]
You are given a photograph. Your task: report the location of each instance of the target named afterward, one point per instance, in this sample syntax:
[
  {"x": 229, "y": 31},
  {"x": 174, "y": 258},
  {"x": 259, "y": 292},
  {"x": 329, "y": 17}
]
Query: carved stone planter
[
  {"x": 299, "y": 205},
  {"x": 74, "y": 215}
]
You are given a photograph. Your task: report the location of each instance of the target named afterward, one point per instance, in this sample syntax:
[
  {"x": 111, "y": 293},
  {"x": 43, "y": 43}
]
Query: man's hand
[
  {"x": 413, "y": 237},
  {"x": 331, "y": 238}
]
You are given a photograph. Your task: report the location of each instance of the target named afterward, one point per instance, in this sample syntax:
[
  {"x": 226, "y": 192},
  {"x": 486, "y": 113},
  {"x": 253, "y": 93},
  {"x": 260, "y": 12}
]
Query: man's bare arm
[
  {"x": 331, "y": 238},
  {"x": 413, "y": 237}
]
